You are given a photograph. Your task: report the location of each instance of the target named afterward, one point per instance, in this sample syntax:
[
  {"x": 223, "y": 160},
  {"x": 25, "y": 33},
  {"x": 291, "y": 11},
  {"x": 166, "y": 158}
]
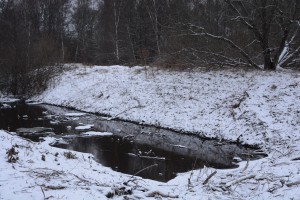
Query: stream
[{"x": 123, "y": 146}]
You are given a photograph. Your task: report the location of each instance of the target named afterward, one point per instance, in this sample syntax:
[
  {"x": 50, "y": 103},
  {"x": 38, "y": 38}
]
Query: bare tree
[
  {"x": 117, "y": 5},
  {"x": 84, "y": 19},
  {"x": 268, "y": 28},
  {"x": 153, "y": 14},
  {"x": 30, "y": 31}
]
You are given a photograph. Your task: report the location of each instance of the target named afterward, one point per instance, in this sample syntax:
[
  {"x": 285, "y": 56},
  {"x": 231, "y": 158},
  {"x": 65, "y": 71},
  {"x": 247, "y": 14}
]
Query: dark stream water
[{"x": 131, "y": 148}]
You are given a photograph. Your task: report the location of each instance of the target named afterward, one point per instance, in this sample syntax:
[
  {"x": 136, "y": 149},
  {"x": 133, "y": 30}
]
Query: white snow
[
  {"x": 55, "y": 178},
  {"x": 84, "y": 127},
  {"x": 179, "y": 146},
  {"x": 5, "y": 106},
  {"x": 94, "y": 133},
  {"x": 75, "y": 114},
  {"x": 252, "y": 107},
  {"x": 8, "y": 99}
]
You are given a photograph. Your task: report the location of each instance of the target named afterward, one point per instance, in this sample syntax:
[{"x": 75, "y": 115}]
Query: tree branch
[
  {"x": 232, "y": 44},
  {"x": 249, "y": 23}
]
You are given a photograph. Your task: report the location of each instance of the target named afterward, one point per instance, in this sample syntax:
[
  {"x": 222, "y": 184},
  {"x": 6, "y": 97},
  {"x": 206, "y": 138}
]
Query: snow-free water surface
[{"x": 146, "y": 151}]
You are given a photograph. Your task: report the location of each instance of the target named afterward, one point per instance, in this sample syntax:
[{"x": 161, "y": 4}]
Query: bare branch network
[{"x": 183, "y": 33}]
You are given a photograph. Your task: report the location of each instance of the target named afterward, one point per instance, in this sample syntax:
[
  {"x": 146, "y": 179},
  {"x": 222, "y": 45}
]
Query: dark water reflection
[{"x": 132, "y": 147}]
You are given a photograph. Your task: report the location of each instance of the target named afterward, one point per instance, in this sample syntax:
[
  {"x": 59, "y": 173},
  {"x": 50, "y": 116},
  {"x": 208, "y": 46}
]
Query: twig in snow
[
  {"x": 239, "y": 180},
  {"x": 45, "y": 173},
  {"x": 247, "y": 164},
  {"x": 82, "y": 180},
  {"x": 209, "y": 177},
  {"x": 276, "y": 187},
  {"x": 154, "y": 165},
  {"x": 43, "y": 192},
  {"x": 192, "y": 172}
]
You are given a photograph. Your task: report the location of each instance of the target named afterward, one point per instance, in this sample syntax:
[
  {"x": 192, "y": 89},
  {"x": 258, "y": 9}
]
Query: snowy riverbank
[
  {"x": 251, "y": 107},
  {"x": 255, "y": 107}
]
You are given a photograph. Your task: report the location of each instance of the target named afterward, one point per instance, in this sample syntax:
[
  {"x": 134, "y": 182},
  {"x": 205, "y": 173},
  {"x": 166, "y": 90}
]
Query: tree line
[{"x": 167, "y": 33}]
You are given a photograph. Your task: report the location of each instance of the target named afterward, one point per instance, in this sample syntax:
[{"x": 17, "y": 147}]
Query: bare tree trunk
[
  {"x": 28, "y": 47},
  {"x": 153, "y": 14},
  {"x": 131, "y": 44},
  {"x": 76, "y": 52},
  {"x": 62, "y": 48},
  {"x": 116, "y": 23},
  {"x": 266, "y": 23}
]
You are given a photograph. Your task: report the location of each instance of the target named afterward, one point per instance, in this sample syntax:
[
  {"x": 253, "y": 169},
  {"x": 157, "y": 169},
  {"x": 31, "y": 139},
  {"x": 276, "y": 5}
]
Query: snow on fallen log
[
  {"x": 239, "y": 180},
  {"x": 209, "y": 177}
]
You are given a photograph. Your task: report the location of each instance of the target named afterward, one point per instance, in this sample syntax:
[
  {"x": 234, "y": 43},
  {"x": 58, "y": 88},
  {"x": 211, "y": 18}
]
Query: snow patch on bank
[
  {"x": 75, "y": 114},
  {"x": 84, "y": 127},
  {"x": 94, "y": 133}
]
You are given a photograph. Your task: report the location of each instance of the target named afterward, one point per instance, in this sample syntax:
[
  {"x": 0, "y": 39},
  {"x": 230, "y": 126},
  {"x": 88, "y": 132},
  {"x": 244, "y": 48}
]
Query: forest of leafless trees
[{"x": 35, "y": 34}]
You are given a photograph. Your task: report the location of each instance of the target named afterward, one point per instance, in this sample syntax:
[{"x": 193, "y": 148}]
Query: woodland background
[{"x": 171, "y": 34}]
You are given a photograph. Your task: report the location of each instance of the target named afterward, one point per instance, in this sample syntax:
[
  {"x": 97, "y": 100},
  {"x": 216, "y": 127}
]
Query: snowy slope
[
  {"x": 252, "y": 107},
  {"x": 59, "y": 177}
]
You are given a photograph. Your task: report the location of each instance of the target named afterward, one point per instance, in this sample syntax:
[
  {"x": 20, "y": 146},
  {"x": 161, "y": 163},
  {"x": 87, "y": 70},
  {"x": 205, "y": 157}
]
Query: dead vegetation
[
  {"x": 121, "y": 191},
  {"x": 70, "y": 155},
  {"x": 12, "y": 154}
]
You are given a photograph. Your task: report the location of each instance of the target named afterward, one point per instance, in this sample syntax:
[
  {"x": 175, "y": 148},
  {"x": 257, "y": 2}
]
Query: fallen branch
[
  {"x": 239, "y": 180},
  {"x": 294, "y": 159},
  {"x": 293, "y": 183},
  {"x": 158, "y": 193},
  {"x": 219, "y": 189},
  {"x": 53, "y": 187},
  {"x": 209, "y": 177}
]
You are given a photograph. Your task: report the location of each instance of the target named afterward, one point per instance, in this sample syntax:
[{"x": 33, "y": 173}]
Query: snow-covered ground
[{"x": 253, "y": 107}]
